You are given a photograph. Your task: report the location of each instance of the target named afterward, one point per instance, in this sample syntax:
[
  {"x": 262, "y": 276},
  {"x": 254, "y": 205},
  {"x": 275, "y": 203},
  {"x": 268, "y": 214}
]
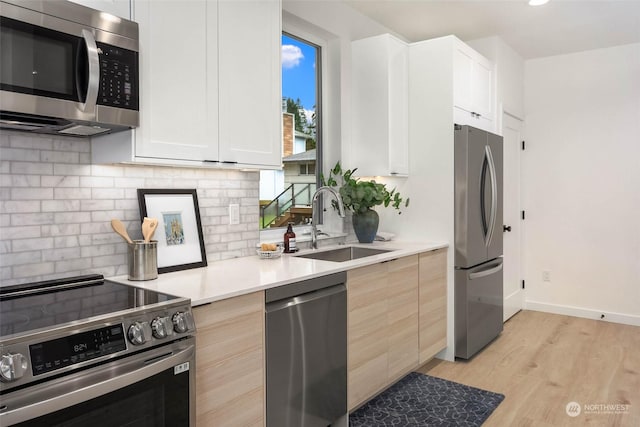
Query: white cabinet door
[
  {"x": 463, "y": 79},
  {"x": 482, "y": 85},
  {"x": 121, "y": 8},
  {"x": 178, "y": 83},
  {"x": 472, "y": 88},
  {"x": 249, "y": 82},
  {"x": 380, "y": 128}
]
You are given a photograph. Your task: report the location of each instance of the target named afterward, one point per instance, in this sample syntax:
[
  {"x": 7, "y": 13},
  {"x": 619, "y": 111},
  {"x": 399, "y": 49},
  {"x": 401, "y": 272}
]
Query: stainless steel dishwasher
[{"x": 306, "y": 326}]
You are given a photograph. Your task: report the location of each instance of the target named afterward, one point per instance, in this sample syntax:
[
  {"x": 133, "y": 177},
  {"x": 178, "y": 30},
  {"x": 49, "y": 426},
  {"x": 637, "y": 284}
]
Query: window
[
  {"x": 308, "y": 169},
  {"x": 285, "y": 196}
]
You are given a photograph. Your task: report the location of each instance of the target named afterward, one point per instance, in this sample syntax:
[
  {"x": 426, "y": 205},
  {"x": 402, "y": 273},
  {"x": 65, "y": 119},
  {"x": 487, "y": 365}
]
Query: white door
[{"x": 513, "y": 293}]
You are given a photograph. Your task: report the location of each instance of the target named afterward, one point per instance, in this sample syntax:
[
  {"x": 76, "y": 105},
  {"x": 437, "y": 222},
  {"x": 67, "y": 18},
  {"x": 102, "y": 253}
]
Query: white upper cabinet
[
  {"x": 380, "y": 127},
  {"x": 209, "y": 86},
  {"x": 249, "y": 82},
  {"x": 472, "y": 87},
  {"x": 178, "y": 80},
  {"x": 121, "y": 8}
]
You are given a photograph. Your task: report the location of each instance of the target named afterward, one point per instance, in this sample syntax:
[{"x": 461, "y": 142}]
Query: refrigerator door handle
[
  {"x": 494, "y": 195},
  {"x": 485, "y": 273}
]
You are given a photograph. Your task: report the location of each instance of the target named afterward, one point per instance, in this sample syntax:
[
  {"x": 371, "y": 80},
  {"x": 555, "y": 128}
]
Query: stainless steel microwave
[{"x": 67, "y": 69}]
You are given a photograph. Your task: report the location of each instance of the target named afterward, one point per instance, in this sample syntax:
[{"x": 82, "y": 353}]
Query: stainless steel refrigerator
[{"x": 478, "y": 239}]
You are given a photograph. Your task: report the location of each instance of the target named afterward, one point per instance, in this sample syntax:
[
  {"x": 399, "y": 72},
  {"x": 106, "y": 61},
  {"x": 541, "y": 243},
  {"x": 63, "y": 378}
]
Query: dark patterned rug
[{"x": 422, "y": 400}]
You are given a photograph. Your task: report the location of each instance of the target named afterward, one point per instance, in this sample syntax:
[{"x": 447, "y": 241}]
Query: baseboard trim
[{"x": 626, "y": 319}]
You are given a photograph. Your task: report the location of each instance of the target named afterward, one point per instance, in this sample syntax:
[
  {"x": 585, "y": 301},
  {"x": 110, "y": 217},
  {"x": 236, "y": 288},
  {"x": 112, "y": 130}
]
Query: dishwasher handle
[{"x": 305, "y": 298}]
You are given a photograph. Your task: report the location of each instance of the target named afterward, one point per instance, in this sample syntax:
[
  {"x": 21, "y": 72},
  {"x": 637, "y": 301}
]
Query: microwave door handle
[{"x": 89, "y": 105}]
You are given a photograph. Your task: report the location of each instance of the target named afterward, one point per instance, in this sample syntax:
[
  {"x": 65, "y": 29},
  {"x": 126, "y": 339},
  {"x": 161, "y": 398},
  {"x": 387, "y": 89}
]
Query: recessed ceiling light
[{"x": 537, "y": 2}]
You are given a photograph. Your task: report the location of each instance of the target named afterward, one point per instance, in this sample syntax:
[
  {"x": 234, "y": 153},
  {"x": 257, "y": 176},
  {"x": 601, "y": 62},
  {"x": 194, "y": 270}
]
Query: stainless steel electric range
[{"x": 87, "y": 351}]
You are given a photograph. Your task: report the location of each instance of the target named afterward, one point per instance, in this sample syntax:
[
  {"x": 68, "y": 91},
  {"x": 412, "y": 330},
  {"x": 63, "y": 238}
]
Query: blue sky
[{"x": 299, "y": 72}]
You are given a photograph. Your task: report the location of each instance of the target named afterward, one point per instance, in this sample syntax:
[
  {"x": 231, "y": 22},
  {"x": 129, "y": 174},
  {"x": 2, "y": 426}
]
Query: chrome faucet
[{"x": 314, "y": 209}]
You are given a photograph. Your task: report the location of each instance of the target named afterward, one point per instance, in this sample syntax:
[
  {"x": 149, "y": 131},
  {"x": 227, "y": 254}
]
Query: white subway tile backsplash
[
  {"x": 18, "y": 258},
  {"x": 31, "y": 168},
  {"x": 20, "y": 154},
  {"x": 60, "y": 205},
  {"x": 10, "y": 233},
  {"x": 11, "y": 206},
  {"x": 60, "y": 254},
  {"x": 65, "y": 169},
  {"x": 58, "y": 229},
  {"x": 31, "y": 193},
  {"x": 66, "y": 241},
  {"x": 72, "y": 193},
  {"x": 96, "y": 181},
  {"x": 19, "y": 180},
  {"x": 107, "y": 170},
  {"x": 56, "y": 208},
  {"x": 107, "y": 193},
  {"x": 61, "y": 181},
  {"x": 60, "y": 157},
  {"x": 97, "y": 205},
  {"x": 101, "y": 261},
  {"x": 98, "y": 250},
  {"x": 75, "y": 266},
  {"x": 33, "y": 271},
  {"x": 19, "y": 219},
  {"x": 128, "y": 182},
  {"x": 79, "y": 145},
  {"x": 71, "y": 217},
  {"x": 38, "y": 142},
  {"x": 20, "y": 245}
]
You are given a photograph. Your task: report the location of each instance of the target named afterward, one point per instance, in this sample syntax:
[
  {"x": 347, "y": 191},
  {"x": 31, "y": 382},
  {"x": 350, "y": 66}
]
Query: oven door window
[
  {"x": 162, "y": 400},
  {"x": 42, "y": 62}
]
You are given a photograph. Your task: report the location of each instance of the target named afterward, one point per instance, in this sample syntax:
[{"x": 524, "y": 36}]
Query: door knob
[{"x": 506, "y": 228}]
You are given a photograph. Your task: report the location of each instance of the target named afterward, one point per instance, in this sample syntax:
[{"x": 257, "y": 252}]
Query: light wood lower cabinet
[
  {"x": 433, "y": 303},
  {"x": 396, "y": 320},
  {"x": 402, "y": 316},
  {"x": 230, "y": 362},
  {"x": 382, "y": 326}
]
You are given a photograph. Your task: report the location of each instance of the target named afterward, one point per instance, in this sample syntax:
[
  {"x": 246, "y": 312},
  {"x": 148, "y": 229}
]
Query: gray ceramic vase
[{"x": 366, "y": 225}]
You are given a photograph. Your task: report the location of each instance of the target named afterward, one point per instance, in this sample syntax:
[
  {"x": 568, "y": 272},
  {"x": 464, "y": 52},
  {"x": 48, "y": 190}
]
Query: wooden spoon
[
  {"x": 149, "y": 226},
  {"x": 119, "y": 228}
]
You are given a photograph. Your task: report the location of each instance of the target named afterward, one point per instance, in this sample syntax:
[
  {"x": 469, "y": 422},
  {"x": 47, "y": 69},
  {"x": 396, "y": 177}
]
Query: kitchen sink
[{"x": 347, "y": 253}]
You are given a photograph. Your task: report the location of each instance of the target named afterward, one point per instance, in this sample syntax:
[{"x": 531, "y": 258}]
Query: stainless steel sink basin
[{"x": 347, "y": 253}]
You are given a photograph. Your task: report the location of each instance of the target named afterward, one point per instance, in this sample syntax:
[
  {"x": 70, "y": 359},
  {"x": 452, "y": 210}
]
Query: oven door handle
[{"x": 48, "y": 397}]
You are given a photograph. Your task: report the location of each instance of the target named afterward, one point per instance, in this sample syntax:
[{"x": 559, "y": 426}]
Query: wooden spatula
[
  {"x": 119, "y": 228},
  {"x": 149, "y": 226}
]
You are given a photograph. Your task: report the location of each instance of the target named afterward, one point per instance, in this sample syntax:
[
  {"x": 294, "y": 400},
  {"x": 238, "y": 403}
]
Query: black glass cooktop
[{"x": 38, "y": 305}]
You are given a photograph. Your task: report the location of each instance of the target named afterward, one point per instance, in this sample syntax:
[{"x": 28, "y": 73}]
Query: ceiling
[{"x": 559, "y": 27}]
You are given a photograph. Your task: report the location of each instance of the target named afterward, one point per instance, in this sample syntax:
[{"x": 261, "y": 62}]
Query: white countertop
[{"x": 239, "y": 276}]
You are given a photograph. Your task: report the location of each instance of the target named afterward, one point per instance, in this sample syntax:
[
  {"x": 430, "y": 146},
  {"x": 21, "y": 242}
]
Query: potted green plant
[{"x": 360, "y": 197}]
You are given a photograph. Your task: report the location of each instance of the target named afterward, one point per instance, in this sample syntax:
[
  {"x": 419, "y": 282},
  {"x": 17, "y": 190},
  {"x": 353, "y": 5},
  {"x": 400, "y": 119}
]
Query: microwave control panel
[{"x": 118, "y": 77}]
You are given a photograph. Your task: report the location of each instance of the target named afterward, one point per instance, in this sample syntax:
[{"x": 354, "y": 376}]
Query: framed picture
[{"x": 179, "y": 232}]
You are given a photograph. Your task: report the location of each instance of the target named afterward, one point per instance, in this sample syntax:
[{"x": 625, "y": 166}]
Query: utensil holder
[{"x": 143, "y": 260}]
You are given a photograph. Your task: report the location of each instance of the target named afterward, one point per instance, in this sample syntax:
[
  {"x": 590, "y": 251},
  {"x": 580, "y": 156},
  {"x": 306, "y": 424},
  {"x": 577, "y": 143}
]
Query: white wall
[{"x": 581, "y": 182}]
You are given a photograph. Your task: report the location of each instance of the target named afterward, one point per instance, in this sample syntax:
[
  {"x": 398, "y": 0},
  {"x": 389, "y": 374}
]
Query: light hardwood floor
[{"x": 543, "y": 361}]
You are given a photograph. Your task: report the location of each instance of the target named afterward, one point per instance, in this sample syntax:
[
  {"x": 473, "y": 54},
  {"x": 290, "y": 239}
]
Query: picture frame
[{"x": 179, "y": 233}]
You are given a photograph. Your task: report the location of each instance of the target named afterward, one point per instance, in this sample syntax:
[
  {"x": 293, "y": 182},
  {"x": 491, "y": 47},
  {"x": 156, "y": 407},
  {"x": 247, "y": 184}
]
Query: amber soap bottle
[{"x": 290, "y": 240}]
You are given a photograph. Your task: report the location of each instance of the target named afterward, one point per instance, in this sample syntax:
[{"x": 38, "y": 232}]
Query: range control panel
[{"x": 55, "y": 354}]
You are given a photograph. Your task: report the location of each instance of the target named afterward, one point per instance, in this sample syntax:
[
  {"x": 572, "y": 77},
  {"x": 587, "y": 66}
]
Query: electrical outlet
[
  {"x": 234, "y": 214},
  {"x": 546, "y": 276}
]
